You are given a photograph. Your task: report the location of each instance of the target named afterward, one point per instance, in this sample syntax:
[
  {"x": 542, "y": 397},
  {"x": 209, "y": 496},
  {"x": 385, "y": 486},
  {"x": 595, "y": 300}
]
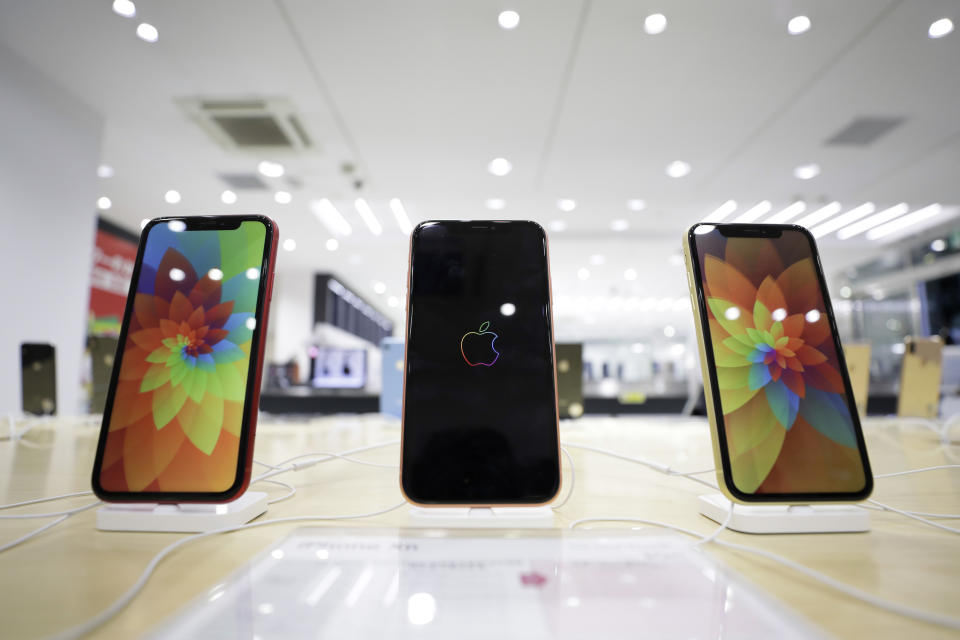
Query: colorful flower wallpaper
[
  {"x": 178, "y": 407},
  {"x": 785, "y": 414}
]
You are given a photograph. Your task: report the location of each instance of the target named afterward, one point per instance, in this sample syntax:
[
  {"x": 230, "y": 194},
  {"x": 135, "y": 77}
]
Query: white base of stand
[
  {"x": 778, "y": 518},
  {"x": 181, "y": 518},
  {"x": 482, "y": 517}
]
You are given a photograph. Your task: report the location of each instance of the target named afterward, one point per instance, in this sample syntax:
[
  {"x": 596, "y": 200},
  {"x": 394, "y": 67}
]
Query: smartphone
[
  {"x": 38, "y": 378},
  {"x": 920, "y": 375},
  {"x": 181, "y": 409},
  {"x": 782, "y": 413},
  {"x": 103, "y": 350},
  {"x": 480, "y": 421}
]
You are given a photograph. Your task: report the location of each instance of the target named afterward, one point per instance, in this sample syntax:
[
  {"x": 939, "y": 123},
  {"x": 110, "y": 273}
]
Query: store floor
[{"x": 70, "y": 573}]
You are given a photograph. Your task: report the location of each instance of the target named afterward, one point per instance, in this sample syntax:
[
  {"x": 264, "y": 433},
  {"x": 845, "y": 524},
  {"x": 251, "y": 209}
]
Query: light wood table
[{"x": 73, "y": 571}]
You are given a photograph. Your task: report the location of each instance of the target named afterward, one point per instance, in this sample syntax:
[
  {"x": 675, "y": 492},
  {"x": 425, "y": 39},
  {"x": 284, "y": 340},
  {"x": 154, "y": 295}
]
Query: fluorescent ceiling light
[
  {"x": 331, "y": 217},
  {"x": 788, "y": 213},
  {"x": 655, "y": 23},
  {"x": 566, "y": 204},
  {"x": 598, "y": 259},
  {"x": 557, "y": 225},
  {"x": 500, "y": 167},
  {"x": 583, "y": 273},
  {"x": 104, "y": 203},
  {"x": 630, "y": 274},
  {"x": 368, "y": 218},
  {"x": 332, "y": 244},
  {"x": 124, "y": 8},
  {"x": 228, "y": 197},
  {"x": 105, "y": 171},
  {"x": 940, "y": 28},
  {"x": 821, "y": 214},
  {"x": 619, "y": 225},
  {"x": 678, "y": 169},
  {"x": 798, "y": 25},
  {"x": 172, "y": 196},
  {"x": 270, "y": 169},
  {"x": 636, "y": 204},
  {"x": 282, "y": 197},
  {"x": 839, "y": 222},
  {"x": 755, "y": 212},
  {"x": 807, "y": 171},
  {"x": 495, "y": 204},
  {"x": 509, "y": 19},
  {"x": 400, "y": 215},
  {"x": 722, "y": 212},
  {"x": 147, "y": 32},
  {"x": 873, "y": 221},
  {"x": 904, "y": 221}
]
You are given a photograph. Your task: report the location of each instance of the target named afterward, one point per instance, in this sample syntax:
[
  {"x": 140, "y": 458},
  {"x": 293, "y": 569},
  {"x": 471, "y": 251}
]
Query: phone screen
[
  {"x": 38, "y": 377},
  {"x": 479, "y": 414},
  {"x": 789, "y": 425},
  {"x": 176, "y": 413}
]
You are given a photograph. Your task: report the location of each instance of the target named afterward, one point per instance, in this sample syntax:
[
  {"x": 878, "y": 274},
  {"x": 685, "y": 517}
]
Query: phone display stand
[
  {"x": 181, "y": 518},
  {"x": 481, "y": 517},
  {"x": 784, "y": 518}
]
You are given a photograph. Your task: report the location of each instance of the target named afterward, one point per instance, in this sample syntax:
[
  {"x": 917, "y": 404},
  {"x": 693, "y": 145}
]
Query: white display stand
[
  {"x": 481, "y": 517},
  {"x": 783, "y": 518},
  {"x": 181, "y": 518}
]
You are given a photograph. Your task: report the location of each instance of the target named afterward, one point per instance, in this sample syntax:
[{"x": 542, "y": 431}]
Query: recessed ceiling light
[
  {"x": 636, "y": 204},
  {"x": 678, "y": 169},
  {"x": 557, "y": 225},
  {"x": 289, "y": 244},
  {"x": 509, "y": 19},
  {"x": 849, "y": 217},
  {"x": 940, "y": 28},
  {"x": 124, "y": 8},
  {"x": 789, "y": 212},
  {"x": 495, "y": 204},
  {"x": 816, "y": 217},
  {"x": 270, "y": 169},
  {"x": 798, "y": 25},
  {"x": 147, "y": 32},
  {"x": 177, "y": 226},
  {"x": 508, "y": 308},
  {"x": 500, "y": 167},
  {"x": 369, "y": 219},
  {"x": 722, "y": 212},
  {"x": 873, "y": 221},
  {"x": 400, "y": 215},
  {"x": 939, "y": 245},
  {"x": 228, "y": 197},
  {"x": 144, "y": 223},
  {"x": 330, "y": 216},
  {"x": 597, "y": 259},
  {"x": 282, "y": 197},
  {"x": 104, "y": 203},
  {"x": 807, "y": 171},
  {"x": 669, "y": 331},
  {"x": 583, "y": 273},
  {"x": 393, "y": 301},
  {"x": 655, "y": 23},
  {"x": 172, "y": 196},
  {"x": 565, "y": 204},
  {"x": 904, "y": 221},
  {"x": 755, "y": 212},
  {"x": 845, "y": 291},
  {"x": 380, "y": 288},
  {"x": 332, "y": 244},
  {"x": 630, "y": 274},
  {"x": 104, "y": 171},
  {"x": 619, "y": 225}
]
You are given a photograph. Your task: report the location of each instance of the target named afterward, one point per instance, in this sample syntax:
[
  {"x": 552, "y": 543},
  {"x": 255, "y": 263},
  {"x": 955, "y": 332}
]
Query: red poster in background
[{"x": 113, "y": 258}]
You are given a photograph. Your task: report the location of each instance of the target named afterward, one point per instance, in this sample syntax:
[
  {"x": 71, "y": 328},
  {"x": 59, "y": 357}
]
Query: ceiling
[{"x": 419, "y": 96}]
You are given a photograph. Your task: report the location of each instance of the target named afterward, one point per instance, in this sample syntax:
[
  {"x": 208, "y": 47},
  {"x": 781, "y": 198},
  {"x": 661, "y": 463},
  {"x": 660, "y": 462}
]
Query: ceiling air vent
[
  {"x": 268, "y": 124},
  {"x": 865, "y": 131},
  {"x": 241, "y": 181}
]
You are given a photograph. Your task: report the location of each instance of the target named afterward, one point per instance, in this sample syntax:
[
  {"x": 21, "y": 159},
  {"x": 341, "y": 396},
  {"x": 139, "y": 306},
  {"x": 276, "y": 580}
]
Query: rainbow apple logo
[{"x": 479, "y": 344}]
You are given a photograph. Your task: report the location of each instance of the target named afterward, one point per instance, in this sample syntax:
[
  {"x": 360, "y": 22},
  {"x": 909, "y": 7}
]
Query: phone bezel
[
  {"x": 254, "y": 371},
  {"x": 553, "y": 350},
  {"x": 706, "y": 351}
]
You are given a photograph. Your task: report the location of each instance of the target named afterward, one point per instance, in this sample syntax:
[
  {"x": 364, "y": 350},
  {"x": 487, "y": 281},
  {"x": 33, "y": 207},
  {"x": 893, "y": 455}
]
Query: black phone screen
[
  {"x": 39, "y": 379},
  {"x": 480, "y": 413}
]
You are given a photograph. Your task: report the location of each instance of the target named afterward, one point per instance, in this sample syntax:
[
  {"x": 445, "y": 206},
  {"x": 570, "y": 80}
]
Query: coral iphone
[
  {"x": 480, "y": 396},
  {"x": 181, "y": 409},
  {"x": 784, "y": 422}
]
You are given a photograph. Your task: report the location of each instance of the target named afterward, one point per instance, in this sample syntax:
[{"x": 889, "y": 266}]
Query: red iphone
[{"x": 181, "y": 409}]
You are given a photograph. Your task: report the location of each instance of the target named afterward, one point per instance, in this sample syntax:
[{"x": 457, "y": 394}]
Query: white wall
[
  {"x": 291, "y": 317},
  {"x": 49, "y": 149}
]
